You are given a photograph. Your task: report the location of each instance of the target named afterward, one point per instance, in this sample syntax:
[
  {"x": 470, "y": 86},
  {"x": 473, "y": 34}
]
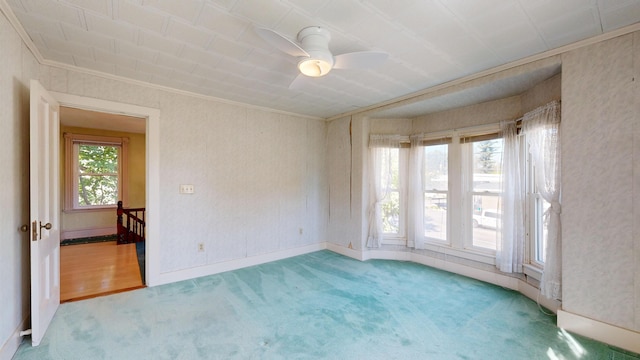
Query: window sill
[
  {"x": 92, "y": 209},
  {"x": 462, "y": 253},
  {"x": 532, "y": 271},
  {"x": 394, "y": 241}
]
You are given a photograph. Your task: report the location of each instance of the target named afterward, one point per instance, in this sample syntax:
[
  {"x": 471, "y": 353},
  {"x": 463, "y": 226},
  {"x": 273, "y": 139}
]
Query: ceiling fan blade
[
  {"x": 299, "y": 82},
  {"x": 280, "y": 42},
  {"x": 359, "y": 59}
]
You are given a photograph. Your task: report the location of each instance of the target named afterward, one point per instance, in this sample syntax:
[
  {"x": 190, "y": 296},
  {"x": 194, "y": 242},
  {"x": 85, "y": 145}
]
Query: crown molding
[
  {"x": 169, "y": 89},
  {"x": 13, "y": 20}
]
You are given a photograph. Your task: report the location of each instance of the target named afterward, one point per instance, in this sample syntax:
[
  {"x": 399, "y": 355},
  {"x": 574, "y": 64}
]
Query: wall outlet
[
  {"x": 187, "y": 189},
  {"x": 200, "y": 247}
]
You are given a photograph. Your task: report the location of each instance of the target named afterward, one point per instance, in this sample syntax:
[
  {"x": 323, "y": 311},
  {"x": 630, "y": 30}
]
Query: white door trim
[{"x": 152, "y": 231}]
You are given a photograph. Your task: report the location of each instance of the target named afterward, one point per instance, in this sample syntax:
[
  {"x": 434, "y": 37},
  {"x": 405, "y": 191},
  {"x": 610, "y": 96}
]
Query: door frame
[{"x": 152, "y": 171}]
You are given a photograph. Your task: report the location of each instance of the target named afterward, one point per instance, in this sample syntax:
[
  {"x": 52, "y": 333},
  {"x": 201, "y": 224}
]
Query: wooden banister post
[{"x": 119, "y": 227}]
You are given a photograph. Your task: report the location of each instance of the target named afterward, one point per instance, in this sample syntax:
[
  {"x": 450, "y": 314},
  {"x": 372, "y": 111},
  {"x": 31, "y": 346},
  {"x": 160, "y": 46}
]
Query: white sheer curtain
[
  {"x": 416, "y": 192},
  {"x": 379, "y": 148},
  {"x": 542, "y": 129},
  {"x": 510, "y": 245}
]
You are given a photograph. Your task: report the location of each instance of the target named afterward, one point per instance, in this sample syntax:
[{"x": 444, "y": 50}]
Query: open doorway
[{"x": 103, "y": 161}]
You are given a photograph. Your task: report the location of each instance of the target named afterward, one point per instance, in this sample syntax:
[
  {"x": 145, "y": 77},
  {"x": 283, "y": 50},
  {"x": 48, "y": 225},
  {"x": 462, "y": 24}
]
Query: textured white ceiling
[
  {"x": 209, "y": 47},
  {"x": 100, "y": 120}
]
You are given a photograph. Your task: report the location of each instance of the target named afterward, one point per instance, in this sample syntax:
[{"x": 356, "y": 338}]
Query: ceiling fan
[{"x": 314, "y": 57}]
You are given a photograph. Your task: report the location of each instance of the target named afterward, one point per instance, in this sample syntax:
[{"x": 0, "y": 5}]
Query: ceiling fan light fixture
[
  {"x": 314, "y": 67},
  {"x": 314, "y": 57},
  {"x": 315, "y": 41}
]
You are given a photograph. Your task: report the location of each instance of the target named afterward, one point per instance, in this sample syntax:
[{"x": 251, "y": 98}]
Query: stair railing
[{"x": 130, "y": 230}]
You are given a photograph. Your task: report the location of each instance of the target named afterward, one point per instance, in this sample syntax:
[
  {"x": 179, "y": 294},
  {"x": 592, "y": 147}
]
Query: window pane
[
  {"x": 541, "y": 229},
  {"x": 97, "y": 175},
  {"x": 436, "y": 167},
  {"x": 435, "y": 216},
  {"x": 486, "y": 220},
  {"x": 97, "y": 190},
  {"x": 436, "y": 180},
  {"x": 389, "y": 177},
  {"x": 390, "y": 180},
  {"x": 486, "y": 177},
  {"x": 487, "y": 165},
  {"x": 97, "y": 159},
  {"x": 391, "y": 213}
]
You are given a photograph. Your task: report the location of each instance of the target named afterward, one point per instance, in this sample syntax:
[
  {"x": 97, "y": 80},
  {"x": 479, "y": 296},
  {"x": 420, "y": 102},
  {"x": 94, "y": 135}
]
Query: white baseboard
[
  {"x": 619, "y": 337},
  {"x": 482, "y": 275},
  {"x": 10, "y": 346},
  {"x": 533, "y": 293},
  {"x": 487, "y": 276},
  {"x": 352, "y": 253},
  {"x": 81, "y": 233},
  {"x": 388, "y": 255},
  {"x": 191, "y": 273}
]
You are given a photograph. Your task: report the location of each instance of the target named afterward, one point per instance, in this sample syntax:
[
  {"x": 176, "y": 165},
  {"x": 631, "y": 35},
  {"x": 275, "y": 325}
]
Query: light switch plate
[{"x": 186, "y": 189}]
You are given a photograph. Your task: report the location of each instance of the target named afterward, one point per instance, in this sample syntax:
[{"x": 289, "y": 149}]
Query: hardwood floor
[{"x": 95, "y": 269}]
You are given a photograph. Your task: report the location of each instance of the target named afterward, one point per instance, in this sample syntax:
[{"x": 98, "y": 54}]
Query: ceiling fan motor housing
[{"x": 315, "y": 41}]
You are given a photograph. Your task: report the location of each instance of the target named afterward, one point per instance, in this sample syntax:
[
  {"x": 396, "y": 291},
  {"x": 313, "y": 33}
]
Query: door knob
[
  {"x": 46, "y": 226},
  {"x": 24, "y": 228}
]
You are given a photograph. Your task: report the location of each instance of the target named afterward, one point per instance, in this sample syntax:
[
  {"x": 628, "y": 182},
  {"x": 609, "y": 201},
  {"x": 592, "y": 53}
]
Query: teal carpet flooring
[{"x": 316, "y": 306}]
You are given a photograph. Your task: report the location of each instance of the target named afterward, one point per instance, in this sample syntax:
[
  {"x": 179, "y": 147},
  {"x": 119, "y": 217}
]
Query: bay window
[
  {"x": 458, "y": 202},
  {"x": 489, "y": 193}
]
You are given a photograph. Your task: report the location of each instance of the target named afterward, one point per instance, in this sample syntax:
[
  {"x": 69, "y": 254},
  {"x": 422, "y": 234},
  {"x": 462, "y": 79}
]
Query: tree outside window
[
  {"x": 97, "y": 174},
  {"x": 485, "y": 192},
  {"x": 95, "y": 171}
]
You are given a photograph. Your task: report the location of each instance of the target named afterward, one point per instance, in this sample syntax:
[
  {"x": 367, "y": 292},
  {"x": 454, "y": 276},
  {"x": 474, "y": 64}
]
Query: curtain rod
[{"x": 519, "y": 120}]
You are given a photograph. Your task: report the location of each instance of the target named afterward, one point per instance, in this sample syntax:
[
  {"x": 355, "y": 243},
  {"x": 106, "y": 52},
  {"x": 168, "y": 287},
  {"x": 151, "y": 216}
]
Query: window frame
[
  {"x": 401, "y": 237},
  {"x": 465, "y": 144},
  {"x": 72, "y": 141},
  {"x": 535, "y": 222},
  {"x": 437, "y": 139}
]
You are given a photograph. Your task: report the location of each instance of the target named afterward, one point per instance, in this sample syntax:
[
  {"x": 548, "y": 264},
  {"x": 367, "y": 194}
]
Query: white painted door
[{"x": 44, "y": 191}]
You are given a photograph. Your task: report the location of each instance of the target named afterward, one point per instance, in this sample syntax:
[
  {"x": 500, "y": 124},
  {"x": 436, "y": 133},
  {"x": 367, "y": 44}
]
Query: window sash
[
  {"x": 78, "y": 174},
  {"x": 436, "y": 218},
  {"x": 397, "y": 191},
  {"x": 487, "y": 231},
  {"x": 488, "y": 224},
  {"x": 537, "y": 225},
  {"x": 73, "y": 174},
  {"x": 437, "y": 215}
]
